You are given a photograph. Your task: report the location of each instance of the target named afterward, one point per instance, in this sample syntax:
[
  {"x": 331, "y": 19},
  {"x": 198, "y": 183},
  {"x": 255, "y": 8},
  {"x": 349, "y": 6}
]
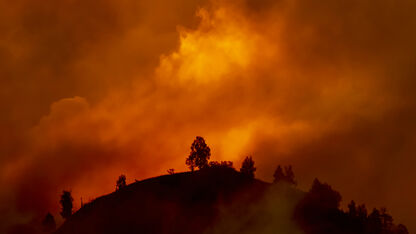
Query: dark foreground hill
[{"x": 220, "y": 200}]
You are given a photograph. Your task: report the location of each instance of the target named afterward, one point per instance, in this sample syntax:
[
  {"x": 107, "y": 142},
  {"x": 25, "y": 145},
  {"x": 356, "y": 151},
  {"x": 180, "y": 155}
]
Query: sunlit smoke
[{"x": 326, "y": 87}]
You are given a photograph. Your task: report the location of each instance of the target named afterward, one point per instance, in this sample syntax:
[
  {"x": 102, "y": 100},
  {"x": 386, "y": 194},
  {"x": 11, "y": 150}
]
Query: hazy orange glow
[
  {"x": 92, "y": 90},
  {"x": 221, "y": 46}
]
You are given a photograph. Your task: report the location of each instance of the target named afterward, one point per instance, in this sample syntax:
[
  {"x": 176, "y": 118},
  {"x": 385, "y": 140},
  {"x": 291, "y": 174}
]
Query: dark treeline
[
  {"x": 316, "y": 212},
  {"x": 319, "y": 212}
]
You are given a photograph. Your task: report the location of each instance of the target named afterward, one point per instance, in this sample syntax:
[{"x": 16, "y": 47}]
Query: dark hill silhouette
[{"x": 214, "y": 200}]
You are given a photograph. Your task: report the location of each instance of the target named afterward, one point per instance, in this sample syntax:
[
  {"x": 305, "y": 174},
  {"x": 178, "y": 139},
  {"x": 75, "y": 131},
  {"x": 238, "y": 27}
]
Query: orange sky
[{"x": 92, "y": 89}]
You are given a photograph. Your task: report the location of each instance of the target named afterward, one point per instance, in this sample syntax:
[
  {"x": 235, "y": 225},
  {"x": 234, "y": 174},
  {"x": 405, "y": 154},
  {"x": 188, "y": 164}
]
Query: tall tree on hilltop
[
  {"x": 66, "y": 204},
  {"x": 199, "y": 155},
  {"x": 248, "y": 168},
  {"x": 121, "y": 182}
]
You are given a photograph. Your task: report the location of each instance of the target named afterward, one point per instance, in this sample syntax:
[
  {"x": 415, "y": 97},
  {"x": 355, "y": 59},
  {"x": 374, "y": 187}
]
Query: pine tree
[
  {"x": 66, "y": 204},
  {"x": 290, "y": 176},
  {"x": 248, "y": 168},
  {"x": 278, "y": 174}
]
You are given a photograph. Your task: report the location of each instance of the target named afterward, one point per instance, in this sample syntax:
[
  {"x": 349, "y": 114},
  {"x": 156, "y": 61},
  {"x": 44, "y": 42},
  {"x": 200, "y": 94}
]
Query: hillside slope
[
  {"x": 195, "y": 202},
  {"x": 222, "y": 200}
]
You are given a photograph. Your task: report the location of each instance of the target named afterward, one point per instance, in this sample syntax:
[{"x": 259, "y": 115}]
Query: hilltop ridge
[{"x": 222, "y": 200}]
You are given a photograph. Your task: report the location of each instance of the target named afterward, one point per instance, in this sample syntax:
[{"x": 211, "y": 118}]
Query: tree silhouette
[
  {"x": 200, "y": 154},
  {"x": 48, "y": 223},
  {"x": 171, "y": 171},
  {"x": 247, "y": 167},
  {"x": 401, "y": 229},
  {"x": 386, "y": 220},
  {"x": 278, "y": 174},
  {"x": 66, "y": 204},
  {"x": 374, "y": 222},
  {"x": 121, "y": 182},
  {"x": 362, "y": 212},
  {"x": 287, "y": 175},
  {"x": 352, "y": 209},
  {"x": 290, "y": 176},
  {"x": 321, "y": 198},
  {"x": 316, "y": 210},
  {"x": 324, "y": 196}
]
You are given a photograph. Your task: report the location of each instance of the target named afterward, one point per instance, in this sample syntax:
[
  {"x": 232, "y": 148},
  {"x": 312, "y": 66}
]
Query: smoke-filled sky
[{"x": 92, "y": 89}]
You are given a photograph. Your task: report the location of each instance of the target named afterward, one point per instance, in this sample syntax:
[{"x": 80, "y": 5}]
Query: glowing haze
[{"x": 92, "y": 89}]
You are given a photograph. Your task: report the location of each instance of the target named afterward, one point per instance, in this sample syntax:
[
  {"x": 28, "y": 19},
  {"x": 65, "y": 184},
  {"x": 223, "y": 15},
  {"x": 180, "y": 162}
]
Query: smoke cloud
[{"x": 90, "y": 90}]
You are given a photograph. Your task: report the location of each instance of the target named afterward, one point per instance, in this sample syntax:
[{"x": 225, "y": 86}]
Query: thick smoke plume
[{"x": 93, "y": 89}]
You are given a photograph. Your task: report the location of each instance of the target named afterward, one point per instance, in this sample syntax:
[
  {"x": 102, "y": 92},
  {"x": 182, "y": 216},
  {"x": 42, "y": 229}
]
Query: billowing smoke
[{"x": 90, "y": 90}]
